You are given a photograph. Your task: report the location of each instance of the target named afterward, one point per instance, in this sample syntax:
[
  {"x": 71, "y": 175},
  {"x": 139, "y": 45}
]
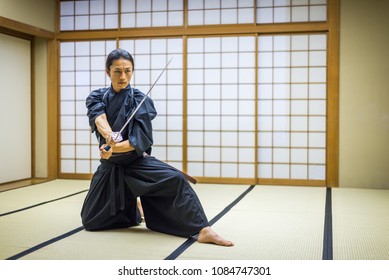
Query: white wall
[
  {"x": 38, "y": 13},
  {"x": 364, "y": 94},
  {"x": 15, "y": 113}
]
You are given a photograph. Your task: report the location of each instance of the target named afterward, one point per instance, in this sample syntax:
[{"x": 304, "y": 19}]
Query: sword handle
[{"x": 116, "y": 137}]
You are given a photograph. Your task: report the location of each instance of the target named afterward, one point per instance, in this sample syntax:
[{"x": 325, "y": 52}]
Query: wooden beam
[
  {"x": 52, "y": 108},
  {"x": 20, "y": 27},
  {"x": 333, "y": 94},
  {"x": 292, "y": 182},
  {"x": 194, "y": 31}
]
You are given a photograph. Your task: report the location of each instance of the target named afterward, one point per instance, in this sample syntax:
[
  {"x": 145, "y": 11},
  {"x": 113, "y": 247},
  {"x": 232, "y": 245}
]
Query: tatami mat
[
  {"x": 24, "y": 197},
  {"x": 45, "y": 222},
  {"x": 23, "y": 230},
  {"x": 269, "y": 222},
  {"x": 136, "y": 243},
  {"x": 360, "y": 224}
]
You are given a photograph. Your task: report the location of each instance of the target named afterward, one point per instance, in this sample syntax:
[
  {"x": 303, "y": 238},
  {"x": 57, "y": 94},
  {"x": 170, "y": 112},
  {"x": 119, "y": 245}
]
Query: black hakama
[{"x": 169, "y": 203}]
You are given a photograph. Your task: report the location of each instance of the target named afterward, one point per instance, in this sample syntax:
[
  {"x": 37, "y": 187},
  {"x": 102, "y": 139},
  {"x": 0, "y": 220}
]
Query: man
[{"x": 127, "y": 170}]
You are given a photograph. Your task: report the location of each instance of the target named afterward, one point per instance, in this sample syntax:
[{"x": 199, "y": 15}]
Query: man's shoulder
[
  {"x": 139, "y": 95},
  {"x": 138, "y": 92},
  {"x": 100, "y": 91}
]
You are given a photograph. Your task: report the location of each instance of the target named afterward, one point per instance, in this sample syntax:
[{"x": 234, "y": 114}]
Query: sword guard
[{"x": 116, "y": 137}]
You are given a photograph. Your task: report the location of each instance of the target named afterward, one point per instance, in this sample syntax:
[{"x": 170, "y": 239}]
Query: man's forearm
[
  {"x": 123, "y": 147},
  {"x": 103, "y": 126},
  {"x": 105, "y": 130}
]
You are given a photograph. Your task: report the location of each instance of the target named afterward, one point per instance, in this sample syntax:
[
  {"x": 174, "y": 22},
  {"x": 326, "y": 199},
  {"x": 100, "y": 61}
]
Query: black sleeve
[
  {"x": 96, "y": 106},
  {"x": 141, "y": 132}
]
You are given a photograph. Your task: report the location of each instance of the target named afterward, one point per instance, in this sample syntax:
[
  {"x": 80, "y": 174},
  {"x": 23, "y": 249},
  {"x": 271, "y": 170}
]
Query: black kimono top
[{"x": 118, "y": 107}]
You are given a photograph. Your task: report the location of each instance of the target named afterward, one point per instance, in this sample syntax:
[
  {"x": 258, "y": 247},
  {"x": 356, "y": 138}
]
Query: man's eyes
[{"x": 119, "y": 72}]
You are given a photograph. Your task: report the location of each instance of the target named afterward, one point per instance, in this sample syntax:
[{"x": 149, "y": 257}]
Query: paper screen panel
[{"x": 292, "y": 106}]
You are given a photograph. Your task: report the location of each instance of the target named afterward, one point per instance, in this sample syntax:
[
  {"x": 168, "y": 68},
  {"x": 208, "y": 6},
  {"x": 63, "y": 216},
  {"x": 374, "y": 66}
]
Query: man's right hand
[{"x": 105, "y": 154}]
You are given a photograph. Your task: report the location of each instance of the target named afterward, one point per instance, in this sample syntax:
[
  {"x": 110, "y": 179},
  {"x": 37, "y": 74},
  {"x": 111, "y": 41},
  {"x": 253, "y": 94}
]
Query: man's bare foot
[
  {"x": 207, "y": 235},
  {"x": 139, "y": 204}
]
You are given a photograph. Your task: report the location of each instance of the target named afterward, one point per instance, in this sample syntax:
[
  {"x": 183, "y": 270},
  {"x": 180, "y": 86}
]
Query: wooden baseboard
[{"x": 22, "y": 183}]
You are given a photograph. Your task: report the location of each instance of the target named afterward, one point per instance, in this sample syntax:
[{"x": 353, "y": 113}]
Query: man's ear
[{"x": 107, "y": 72}]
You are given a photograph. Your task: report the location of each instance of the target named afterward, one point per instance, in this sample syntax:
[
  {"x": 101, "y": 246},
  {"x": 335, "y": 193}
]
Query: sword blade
[
  {"x": 144, "y": 98},
  {"x": 137, "y": 107}
]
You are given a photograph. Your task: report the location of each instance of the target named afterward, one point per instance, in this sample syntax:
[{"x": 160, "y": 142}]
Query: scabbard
[{"x": 188, "y": 177}]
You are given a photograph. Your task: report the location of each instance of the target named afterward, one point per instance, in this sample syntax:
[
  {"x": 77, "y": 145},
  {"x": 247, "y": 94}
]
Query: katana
[{"x": 117, "y": 136}]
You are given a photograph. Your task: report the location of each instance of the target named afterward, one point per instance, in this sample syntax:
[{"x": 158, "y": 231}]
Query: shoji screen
[
  {"x": 235, "y": 106},
  {"x": 147, "y": 13},
  {"x": 201, "y": 12},
  {"x": 82, "y": 70},
  {"x": 292, "y": 106},
  {"x": 204, "y": 12},
  {"x": 84, "y": 15},
  {"x": 221, "y": 107},
  {"x": 277, "y": 11}
]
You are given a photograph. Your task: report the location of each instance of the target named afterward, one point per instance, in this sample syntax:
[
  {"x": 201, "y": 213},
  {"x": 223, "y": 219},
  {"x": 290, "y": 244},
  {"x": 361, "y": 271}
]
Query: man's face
[{"x": 120, "y": 73}]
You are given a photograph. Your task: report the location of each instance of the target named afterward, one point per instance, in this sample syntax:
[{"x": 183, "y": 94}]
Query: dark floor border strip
[
  {"x": 176, "y": 253},
  {"x": 328, "y": 241},
  {"x": 46, "y": 243},
  {"x": 40, "y": 204}
]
